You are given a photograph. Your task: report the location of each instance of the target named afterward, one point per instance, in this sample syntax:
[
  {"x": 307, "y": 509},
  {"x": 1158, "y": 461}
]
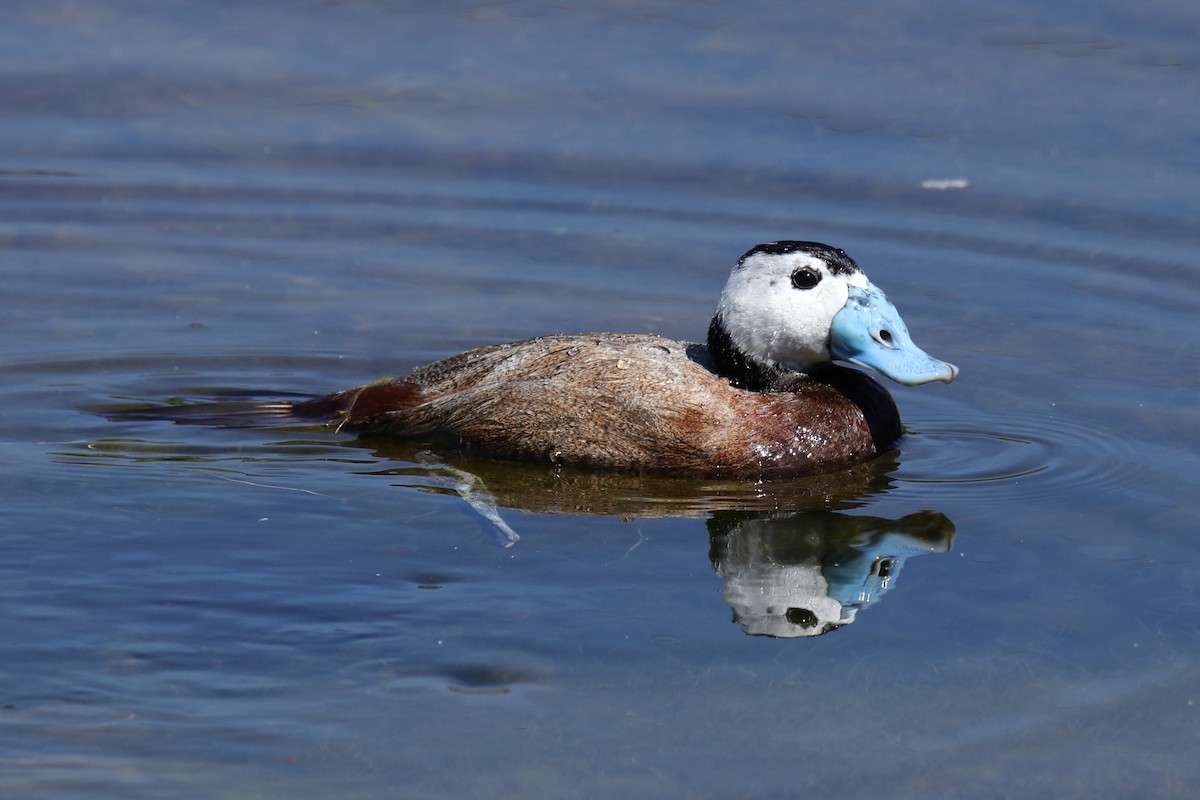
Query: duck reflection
[
  {"x": 810, "y": 572},
  {"x": 793, "y": 561},
  {"x": 541, "y": 490}
]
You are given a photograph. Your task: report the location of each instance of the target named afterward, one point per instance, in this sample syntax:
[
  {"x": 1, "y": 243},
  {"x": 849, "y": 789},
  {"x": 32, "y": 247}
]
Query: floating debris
[{"x": 945, "y": 184}]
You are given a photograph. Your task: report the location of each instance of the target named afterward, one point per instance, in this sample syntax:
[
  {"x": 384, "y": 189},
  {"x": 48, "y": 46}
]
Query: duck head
[{"x": 790, "y": 307}]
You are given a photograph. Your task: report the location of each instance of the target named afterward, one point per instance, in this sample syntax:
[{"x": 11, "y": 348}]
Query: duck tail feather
[{"x": 351, "y": 407}]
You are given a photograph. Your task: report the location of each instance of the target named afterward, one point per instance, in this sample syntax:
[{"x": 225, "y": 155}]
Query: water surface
[{"x": 295, "y": 197}]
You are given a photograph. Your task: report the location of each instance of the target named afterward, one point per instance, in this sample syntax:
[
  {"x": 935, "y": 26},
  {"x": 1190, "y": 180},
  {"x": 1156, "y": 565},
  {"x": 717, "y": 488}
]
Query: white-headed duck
[{"x": 761, "y": 398}]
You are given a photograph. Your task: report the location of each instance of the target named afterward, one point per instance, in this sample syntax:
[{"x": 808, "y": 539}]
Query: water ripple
[{"x": 1015, "y": 457}]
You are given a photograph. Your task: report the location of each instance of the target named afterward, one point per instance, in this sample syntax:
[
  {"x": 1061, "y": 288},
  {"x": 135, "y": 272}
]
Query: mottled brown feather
[{"x": 623, "y": 401}]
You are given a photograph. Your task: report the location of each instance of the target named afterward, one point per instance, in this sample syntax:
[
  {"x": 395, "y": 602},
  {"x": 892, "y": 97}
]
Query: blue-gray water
[{"x": 300, "y": 196}]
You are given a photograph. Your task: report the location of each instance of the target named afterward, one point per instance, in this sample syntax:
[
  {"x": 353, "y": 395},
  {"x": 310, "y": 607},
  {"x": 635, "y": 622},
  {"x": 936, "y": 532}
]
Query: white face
[{"x": 778, "y": 309}]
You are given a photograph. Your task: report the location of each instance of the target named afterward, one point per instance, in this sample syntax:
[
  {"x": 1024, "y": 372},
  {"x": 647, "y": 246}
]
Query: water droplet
[
  {"x": 574, "y": 351},
  {"x": 622, "y": 364}
]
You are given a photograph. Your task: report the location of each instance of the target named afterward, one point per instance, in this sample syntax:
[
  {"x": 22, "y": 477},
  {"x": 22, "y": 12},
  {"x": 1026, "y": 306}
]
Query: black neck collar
[{"x": 743, "y": 371}]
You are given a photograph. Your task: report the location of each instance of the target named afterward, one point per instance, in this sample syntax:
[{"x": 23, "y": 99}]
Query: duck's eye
[
  {"x": 805, "y": 278},
  {"x": 802, "y": 617}
]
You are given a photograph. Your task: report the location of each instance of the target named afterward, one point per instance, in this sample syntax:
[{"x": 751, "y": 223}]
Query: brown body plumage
[{"x": 630, "y": 402}]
